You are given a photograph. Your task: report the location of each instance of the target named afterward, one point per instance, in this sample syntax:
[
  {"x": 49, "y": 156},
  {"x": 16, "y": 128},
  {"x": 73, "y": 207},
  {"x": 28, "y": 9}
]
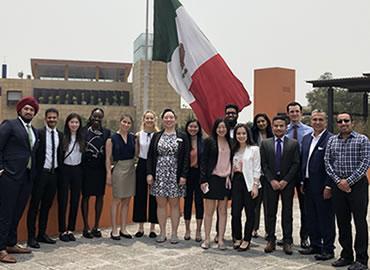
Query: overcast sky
[{"x": 311, "y": 37}]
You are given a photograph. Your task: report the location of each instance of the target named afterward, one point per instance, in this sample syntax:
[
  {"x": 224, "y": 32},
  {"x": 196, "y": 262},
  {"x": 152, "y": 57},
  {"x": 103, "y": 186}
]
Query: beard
[
  {"x": 27, "y": 121},
  {"x": 231, "y": 123}
]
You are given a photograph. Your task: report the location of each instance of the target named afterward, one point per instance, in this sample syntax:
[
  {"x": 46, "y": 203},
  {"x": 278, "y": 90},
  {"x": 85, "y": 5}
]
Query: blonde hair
[{"x": 155, "y": 128}]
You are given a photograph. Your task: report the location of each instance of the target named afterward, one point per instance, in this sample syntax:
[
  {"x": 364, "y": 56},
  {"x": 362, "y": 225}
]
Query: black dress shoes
[
  {"x": 71, "y": 237},
  {"x": 96, "y": 233},
  {"x": 358, "y": 266},
  {"x": 342, "y": 262},
  {"x": 324, "y": 256},
  {"x": 152, "y": 235},
  {"x": 32, "y": 243},
  {"x": 87, "y": 234},
  {"x": 309, "y": 251},
  {"x": 305, "y": 243},
  {"x": 128, "y": 236},
  {"x": 287, "y": 248},
  {"x": 44, "y": 238},
  {"x": 139, "y": 234},
  {"x": 64, "y": 237}
]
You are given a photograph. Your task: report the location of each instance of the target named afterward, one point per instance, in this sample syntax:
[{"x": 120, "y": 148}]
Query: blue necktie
[{"x": 278, "y": 156}]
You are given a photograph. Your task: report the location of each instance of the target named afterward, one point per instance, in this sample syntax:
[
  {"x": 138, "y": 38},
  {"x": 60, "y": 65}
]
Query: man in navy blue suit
[
  {"x": 18, "y": 142},
  {"x": 317, "y": 187}
]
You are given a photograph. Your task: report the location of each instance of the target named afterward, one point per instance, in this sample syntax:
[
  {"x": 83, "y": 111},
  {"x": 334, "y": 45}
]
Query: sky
[{"x": 312, "y": 37}]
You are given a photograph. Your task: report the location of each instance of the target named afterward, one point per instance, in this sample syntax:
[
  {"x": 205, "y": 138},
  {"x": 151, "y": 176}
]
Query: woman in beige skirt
[{"x": 120, "y": 149}]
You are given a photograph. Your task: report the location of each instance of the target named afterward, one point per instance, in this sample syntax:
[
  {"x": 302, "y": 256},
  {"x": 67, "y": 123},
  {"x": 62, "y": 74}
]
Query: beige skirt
[{"x": 123, "y": 179}]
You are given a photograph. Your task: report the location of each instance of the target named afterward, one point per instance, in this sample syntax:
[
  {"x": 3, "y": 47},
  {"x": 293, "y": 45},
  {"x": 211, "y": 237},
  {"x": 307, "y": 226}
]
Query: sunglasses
[{"x": 340, "y": 121}]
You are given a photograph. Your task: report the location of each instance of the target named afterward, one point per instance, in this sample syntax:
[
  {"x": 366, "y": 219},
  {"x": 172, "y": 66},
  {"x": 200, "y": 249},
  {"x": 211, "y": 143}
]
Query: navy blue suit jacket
[
  {"x": 15, "y": 149},
  {"x": 318, "y": 178}
]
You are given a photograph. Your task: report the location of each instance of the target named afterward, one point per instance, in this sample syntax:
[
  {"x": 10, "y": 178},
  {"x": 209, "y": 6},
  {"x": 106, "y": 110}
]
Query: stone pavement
[{"x": 145, "y": 254}]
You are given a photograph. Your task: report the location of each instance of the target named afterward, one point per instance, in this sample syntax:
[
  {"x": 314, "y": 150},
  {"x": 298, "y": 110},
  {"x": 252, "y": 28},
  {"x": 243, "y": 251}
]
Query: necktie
[
  {"x": 295, "y": 132},
  {"x": 30, "y": 140},
  {"x": 52, "y": 151},
  {"x": 278, "y": 156}
]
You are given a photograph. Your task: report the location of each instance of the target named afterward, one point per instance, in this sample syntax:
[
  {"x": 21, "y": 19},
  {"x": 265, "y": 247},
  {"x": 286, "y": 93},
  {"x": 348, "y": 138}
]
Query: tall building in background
[{"x": 274, "y": 88}]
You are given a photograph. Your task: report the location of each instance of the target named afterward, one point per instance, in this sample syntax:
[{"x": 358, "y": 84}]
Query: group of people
[{"x": 249, "y": 166}]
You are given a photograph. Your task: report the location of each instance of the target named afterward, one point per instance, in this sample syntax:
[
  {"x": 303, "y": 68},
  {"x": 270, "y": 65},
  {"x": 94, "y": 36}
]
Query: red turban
[{"x": 27, "y": 101}]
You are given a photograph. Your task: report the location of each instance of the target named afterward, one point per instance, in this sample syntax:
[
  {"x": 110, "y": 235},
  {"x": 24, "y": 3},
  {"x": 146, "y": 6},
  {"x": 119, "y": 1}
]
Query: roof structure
[
  {"x": 352, "y": 84},
  {"x": 84, "y": 70}
]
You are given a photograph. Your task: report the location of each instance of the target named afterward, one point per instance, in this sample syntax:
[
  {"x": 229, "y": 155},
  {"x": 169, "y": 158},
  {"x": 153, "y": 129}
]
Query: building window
[{"x": 13, "y": 96}]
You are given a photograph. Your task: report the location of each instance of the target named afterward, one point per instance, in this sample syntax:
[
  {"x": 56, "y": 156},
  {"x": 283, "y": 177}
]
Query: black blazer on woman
[
  {"x": 209, "y": 158},
  {"x": 182, "y": 155}
]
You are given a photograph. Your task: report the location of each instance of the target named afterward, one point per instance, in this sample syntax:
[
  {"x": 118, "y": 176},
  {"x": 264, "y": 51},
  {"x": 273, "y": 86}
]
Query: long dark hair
[
  {"x": 215, "y": 126},
  {"x": 249, "y": 141},
  {"x": 67, "y": 133},
  {"x": 255, "y": 129},
  {"x": 199, "y": 134}
]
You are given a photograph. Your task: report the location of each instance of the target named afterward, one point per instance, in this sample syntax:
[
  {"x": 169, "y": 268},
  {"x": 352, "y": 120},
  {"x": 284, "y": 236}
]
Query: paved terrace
[{"x": 145, "y": 254}]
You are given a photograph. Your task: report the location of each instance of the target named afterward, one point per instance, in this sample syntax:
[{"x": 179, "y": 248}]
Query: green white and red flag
[{"x": 194, "y": 67}]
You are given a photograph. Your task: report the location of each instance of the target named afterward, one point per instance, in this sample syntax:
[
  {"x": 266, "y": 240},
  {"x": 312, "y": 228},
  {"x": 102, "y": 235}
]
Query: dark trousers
[
  {"x": 140, "y": 211},
  {"x": 241, "y": 199},
  {"x": 193, "y": 193},
  {"x": 14, "y": 195},
  {"x": 353, "y": 204},
  {"x": 320, "y": 220},
  {"x": 259, "y": 200},
  {"x": 43, "y": 193},
  {"x": 71, "y": 180},
  {"x": 287, "y": 212},
  {"x": 303, "y": 232}
]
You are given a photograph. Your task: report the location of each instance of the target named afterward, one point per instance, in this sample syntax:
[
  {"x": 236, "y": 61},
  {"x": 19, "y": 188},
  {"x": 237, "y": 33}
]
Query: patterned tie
[
  {"x": 30, "y": 140},
  {"x": 278, "y": 156},
  {"x": 52, "y": 151}
]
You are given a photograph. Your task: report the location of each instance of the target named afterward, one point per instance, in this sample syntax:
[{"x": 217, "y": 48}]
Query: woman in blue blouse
[{"x": 120, "y": 149}]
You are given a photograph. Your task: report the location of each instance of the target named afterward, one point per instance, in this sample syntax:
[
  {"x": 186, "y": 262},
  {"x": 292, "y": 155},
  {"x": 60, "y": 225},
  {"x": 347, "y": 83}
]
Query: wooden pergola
[{"x": 354, "y": 84}]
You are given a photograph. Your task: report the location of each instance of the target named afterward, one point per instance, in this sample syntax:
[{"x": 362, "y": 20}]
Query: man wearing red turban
[{"x": 18, "y": 143}]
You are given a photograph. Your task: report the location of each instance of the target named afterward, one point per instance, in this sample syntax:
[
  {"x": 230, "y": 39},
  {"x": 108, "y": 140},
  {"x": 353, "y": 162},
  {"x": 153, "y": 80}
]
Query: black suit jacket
[
  {"x": 182, "y": 155},
  {"x": 15, "y": 149},
  {"x": 209, "y": 158},
  {"x": 41, "y": 150},
  {"x": 289, "y": 162},
  {"x": 316, "y": 169}
]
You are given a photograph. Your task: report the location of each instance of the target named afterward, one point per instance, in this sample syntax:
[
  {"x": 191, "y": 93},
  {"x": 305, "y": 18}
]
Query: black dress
[{"x": 93, "y": 161}]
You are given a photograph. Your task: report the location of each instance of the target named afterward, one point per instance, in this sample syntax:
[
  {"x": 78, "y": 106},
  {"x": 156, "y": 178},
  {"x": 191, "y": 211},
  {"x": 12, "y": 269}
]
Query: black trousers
[
  {"x": 241, "y": 199},
  {"x": 140, "y": 211},
  {"x": 287, "y": 212},
  {"x": 14, "y": 195},
  {"x": 193, "y": 193},
  {"x": 353, "y": 204},
  {"x": 43, "y": 193},
  {"x": 259, "y": 200},
  {"x": 320, "y": 220},
  {"x": 303, "y": 232},
  {"x": 70, "y": 182}
]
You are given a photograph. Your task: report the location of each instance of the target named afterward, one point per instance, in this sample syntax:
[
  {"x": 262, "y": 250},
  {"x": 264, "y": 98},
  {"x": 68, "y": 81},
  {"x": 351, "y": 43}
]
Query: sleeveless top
[{"x": 122, "y": 150}]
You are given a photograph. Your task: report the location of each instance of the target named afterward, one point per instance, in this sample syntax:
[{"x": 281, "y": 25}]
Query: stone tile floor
[{"x": 144, "y": 253}]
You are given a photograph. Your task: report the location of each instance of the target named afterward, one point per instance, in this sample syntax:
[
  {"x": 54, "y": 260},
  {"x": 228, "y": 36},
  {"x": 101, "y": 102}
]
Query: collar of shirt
[
  {"x": 276, "y": 138},
  {"x": 24, "y": 123},
  {"x": 318, "y": 136},
  {"x": 353, "y": 134},
  {"x": 50, "y": 129}
]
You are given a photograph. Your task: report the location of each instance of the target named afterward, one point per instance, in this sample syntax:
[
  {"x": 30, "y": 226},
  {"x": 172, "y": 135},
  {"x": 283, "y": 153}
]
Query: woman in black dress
[
  {"x": 94, "y": 170},
  {"x": 261, "y": 130}
]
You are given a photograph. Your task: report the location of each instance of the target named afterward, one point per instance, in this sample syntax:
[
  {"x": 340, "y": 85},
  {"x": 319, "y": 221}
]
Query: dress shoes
[
  {"x": 324, "y": 256},
  {"x": 342, "y": 262},
  {"x": 6, "y": 258},
  {"x": 32, "y": 243},
  {"x": 309, "y": 251},
  {"x": 124, "y": 235},
  {"x": 115, "y": 237},
  {"x": 358, "y": 266},
  {"x": 18, "y": 250},
  {"x": 87, "y": 234},
  {"x": 139, "y": 234},
  {"x": 270, "y": 247},
  {"x": 305, "y": 243},
  {"x": 44, "y": 238},
  {"x": 287, "y": 248},
  {"x": 96, "y": 233},
  {"x": 152, "y": 235},
  {"x": 71, "y": 237},
  {"x": 64, "y": 237}
]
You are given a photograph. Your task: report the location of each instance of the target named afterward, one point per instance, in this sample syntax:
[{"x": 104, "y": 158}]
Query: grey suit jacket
[{"x": 289, "y": 162}]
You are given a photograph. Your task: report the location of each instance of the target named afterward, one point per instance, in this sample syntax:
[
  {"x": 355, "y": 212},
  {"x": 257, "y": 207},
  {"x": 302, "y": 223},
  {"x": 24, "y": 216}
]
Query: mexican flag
[{"x": 194, "y": 68}]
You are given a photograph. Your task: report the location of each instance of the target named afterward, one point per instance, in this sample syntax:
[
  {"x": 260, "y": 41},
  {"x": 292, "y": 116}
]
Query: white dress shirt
[
  {"x": 315, "y": 140},
  {"x": 49, "y": 149},
  {"x": 74, "y": 158}
]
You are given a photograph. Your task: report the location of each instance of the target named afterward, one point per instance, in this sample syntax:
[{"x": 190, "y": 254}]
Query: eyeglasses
[{"x": 340, "y": 121}]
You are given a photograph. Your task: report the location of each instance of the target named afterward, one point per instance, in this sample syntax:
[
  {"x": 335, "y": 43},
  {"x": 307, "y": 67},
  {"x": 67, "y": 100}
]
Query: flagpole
[{"x": 146, "y": 64}]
